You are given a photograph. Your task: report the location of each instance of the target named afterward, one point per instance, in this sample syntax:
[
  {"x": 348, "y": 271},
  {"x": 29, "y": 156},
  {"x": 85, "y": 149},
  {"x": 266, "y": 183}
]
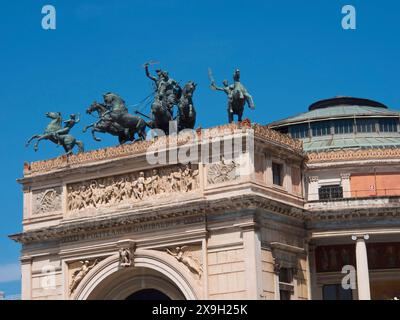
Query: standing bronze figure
[{"x": 237, "y": 94}]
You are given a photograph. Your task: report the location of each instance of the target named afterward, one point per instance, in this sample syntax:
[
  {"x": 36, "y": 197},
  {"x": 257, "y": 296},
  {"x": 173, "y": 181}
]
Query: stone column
[
  {"x": 313, "y": 188},
  {"x": 364, "y": 292},
  {"x": 345, "y": 181}
]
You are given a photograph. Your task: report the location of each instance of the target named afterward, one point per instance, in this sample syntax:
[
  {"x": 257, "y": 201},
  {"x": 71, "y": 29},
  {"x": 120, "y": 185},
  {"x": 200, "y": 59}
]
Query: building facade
[{"x": 277, "y": 216}]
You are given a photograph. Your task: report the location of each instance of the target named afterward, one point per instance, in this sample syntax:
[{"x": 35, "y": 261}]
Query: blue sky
[{"x": 291, "y": 53}]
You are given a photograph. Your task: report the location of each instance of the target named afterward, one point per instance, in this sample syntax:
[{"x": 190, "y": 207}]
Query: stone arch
[{"x": 164, "y": 273}]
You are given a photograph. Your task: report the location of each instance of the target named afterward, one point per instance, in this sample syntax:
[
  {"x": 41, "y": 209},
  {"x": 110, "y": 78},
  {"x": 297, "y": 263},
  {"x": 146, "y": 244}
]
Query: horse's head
[
  {"x": 93, "y": 107},
  {"x": 53, "y": 115},
  {"x": 113, "y": 100},
  {"x": 189, "y": 88}
]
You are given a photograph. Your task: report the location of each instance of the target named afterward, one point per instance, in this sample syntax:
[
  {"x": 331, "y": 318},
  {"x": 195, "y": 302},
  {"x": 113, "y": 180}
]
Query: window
[
  {"x": 277, "y": 170},
  {"x": 321, "y": 129},
  {"x": 330, "y": 192},
  {"x": 366, "y": 125},
  {"x": 388, "y": 125},
  {"x": 336, "y": 292},
  {"x": 299, "y": 131},
  {"x": 344, "y": 126},
  {"x": 286, "y": 287}
]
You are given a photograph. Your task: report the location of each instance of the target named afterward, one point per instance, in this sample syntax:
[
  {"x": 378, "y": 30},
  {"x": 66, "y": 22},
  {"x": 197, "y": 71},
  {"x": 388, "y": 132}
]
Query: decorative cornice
[
  {"x": 155, "y": 218},
  {"x": 351, "y": 154},
  {"x": 274, "y": 136},
  {"x": 352, "y": 213}
]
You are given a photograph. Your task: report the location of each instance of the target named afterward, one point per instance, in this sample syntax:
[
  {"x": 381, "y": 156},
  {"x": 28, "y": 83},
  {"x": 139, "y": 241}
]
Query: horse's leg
[
  {"x": 40, "y": 138},
  {"x": 230, "y": 116},
  {"x": 87, "y": 127},
  {"x": 94, "y": 136},
  {"x": 80, "y": 146},
  {"x": 36, "y": 136}
]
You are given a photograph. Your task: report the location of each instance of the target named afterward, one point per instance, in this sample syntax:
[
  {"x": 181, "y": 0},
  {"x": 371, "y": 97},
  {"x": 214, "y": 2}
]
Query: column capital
[
  {"x": 345, "y": 176},
  {"x": 313, "y": 179},
  {"x": 356, "y": 237}
]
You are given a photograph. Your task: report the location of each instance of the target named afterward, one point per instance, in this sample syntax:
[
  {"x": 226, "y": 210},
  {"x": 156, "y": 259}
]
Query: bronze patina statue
[
  {"x": 167, "y": 95},
  {"x": 237, "y": 95},
  {"x": 115, "y": 120},
  {"x": 57, "y": 134},
  {"x": 186, "y": 111}
]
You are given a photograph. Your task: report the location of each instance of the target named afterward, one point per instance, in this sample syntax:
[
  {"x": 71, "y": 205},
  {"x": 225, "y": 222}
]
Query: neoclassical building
[{"x": 278, "y": 213}]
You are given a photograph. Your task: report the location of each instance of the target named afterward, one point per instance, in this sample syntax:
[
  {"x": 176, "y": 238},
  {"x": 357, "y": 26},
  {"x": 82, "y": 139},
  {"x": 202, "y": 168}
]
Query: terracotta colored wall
[
  {"x": 296, "y": 180},
  {"x": 380, "y": 184}
]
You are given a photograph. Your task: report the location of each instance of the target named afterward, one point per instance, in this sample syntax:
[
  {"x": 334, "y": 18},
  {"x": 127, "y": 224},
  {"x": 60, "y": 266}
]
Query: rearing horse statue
[
  {"x": 57, "y": 134},
  {"x": 115, "y": 119}
]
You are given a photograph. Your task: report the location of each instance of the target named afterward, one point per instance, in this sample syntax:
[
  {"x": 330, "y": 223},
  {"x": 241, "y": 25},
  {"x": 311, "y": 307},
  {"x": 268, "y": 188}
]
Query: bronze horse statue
[
  {"x": 237, "y": 95},
  {"x": 57, "y": 134},
  {"x": 115, "y": 120},
  {"x": 186, "y": 111}
]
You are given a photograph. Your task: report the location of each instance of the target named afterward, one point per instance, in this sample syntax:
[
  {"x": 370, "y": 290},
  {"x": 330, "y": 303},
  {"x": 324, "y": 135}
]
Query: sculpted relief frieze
[
  {"x": 223, "y": 171},
  {"x": 46, "y": 201},
  {"x": 132, "y": 187}
]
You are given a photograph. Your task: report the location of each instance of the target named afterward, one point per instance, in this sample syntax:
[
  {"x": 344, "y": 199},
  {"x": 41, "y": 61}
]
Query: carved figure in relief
[
  {"x": 79, "y": 274},
  {"x": 125, "y": 257},
  {"x": 130, "y": 187},
  {"x": 183, "y": 255}
]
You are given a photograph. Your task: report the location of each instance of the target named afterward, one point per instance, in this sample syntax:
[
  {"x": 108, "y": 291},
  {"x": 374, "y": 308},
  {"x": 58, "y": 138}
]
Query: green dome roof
[
  {"x": 320, "y": 128},
  {"x": 341, "y": 107}
]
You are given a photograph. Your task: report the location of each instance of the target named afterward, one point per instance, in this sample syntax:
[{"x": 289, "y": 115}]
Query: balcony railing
[{"x": 355, "y": 194}]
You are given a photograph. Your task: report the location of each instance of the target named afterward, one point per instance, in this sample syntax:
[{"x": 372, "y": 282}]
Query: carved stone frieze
[
  {"x": 46, "y": 200},
  {"x": 132, "y": 187},
  {"x": 223, "y": 171}
]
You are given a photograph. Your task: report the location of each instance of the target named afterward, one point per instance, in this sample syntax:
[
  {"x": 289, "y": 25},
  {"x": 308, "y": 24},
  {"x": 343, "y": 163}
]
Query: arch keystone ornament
[{"x": 155, "y": 269}]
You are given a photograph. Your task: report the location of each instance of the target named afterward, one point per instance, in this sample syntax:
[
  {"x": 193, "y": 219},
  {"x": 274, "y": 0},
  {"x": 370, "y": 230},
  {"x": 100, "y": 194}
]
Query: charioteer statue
[
  {"x": 167, "y": 95},
  {"x": 166, "y": 89},
  {"x": 237, "y": 94}
]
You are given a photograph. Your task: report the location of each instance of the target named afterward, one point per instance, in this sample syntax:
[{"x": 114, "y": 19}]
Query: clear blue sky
[{"x": 291, "y": 53}]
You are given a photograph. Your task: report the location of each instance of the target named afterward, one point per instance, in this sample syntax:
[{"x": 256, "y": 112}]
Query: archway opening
[
  {"x": 148, "y": 294},
  {"x": 136, "y": 284}
]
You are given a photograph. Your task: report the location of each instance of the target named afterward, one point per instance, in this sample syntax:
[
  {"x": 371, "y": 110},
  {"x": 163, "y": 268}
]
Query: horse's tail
[{"x": 80, "y": 146}]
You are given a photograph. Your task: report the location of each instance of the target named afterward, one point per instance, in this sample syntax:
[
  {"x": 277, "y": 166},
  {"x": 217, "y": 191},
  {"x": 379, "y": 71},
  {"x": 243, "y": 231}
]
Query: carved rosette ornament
[
  {"x": 132, "y": 187},
  {"x": 46, "y": 200},
  {"x": 223, "y": 171},
  {"x": 188, "y": 258}
]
